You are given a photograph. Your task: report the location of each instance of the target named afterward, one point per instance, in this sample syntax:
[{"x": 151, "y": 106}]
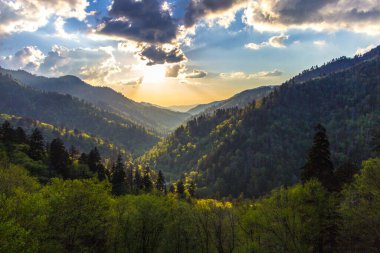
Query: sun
[{"x": 154, "y": 74}]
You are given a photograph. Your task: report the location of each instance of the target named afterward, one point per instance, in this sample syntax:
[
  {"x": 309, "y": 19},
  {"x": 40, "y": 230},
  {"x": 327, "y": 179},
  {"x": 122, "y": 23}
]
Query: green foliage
[
  {"x": 360, "y": 211},
  {"x": 264, "y": 145},
  {"x": 64, "y": 110}
]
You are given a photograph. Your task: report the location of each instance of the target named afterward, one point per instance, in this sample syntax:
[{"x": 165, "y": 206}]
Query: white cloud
[
  {"x": 28, "y": 58},
  {"x": 275, "y": 41},
  {"x": 29, "y": 15},
  {"x": 319, "y": 43},
  {"x": 361, "y": 51},
  {"x": 243, "y": 75}
]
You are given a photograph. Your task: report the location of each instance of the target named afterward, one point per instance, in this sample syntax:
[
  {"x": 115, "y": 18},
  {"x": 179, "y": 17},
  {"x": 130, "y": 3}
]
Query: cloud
[
  {"x": 361, "y": 51},
  {"x": 134, "y": 82},
  {"x": 275, "y": 41},
  {"x": 319, "y": 43},
  {"x": 154, "y": 54},
  {"x": 174, "y": 70},
  {"x": 243, "y": 75},
  {"x": 29, "y": 15},
  {"x": 278, "y": 41},
  {"x": 142, "y": 21},
  {"x": 197, "y": 74},
  {"x": 273, "y": 15},
  {"x": 199, "y": 9},
  {"x": 28, "y": 58}
]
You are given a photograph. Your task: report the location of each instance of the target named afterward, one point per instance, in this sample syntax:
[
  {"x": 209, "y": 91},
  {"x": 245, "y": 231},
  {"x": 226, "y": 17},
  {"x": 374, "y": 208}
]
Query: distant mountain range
[
  {"x": 239, "y": 100},
  {"x": 151, "y": 117},
  {"x": 65, "y": 111},
  {"x": 264, "y": 145}
]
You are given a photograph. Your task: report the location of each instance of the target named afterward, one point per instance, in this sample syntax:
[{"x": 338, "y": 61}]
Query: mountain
[
  {"x": 65, "y": 111},
  {"x": 264, "y": 145},
  {"x": 335, "y": 65},
  {"x": 84, "y": 142},
  {"x": 147, "y": 115},
  {"x": 239, "y": 100},
  {"x": 181, "y": 108}
]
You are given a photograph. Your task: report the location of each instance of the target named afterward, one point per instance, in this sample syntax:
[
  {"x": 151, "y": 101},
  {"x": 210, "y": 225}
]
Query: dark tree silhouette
[
  {"x": 118, "y": 177},
  {"x": 37, "y": 146},
  {"x": 319, "y": 165}
]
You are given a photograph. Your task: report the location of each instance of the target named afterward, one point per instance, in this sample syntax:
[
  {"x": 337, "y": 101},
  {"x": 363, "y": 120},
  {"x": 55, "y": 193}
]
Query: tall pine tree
[
  {"x": 37, "y": 146},
  {"x": 118, "y": 177},
  {"x": 319, "y": 165},
  {"x": 59, "y": 160},
  {"x": 160, "y": 183}
]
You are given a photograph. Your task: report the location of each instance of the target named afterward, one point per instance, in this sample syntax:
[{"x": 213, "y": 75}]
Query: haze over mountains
[{"x": 149, "y": 116}]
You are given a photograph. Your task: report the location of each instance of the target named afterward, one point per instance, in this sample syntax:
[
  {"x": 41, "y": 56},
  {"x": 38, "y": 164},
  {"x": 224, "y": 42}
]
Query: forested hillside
[
  {"x": 74, "y": 203},
  {"x": 264, "y": 145},
  {"x": 65, "y": 111},
  {"x": 148, "y": 116},
  {"x": 239, "y": 100},
  {"x": 83, "y": 141}
]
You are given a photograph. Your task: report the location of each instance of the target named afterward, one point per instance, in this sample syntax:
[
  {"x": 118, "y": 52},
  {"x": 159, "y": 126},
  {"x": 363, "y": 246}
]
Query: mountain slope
[
  {"x": 149, "y": 116},
  {"x": 264, "y": 145},
  {"x": 65, "y": 111},
  {"x": 239, "y": 100},
  {"x": 84, "y": 142}
]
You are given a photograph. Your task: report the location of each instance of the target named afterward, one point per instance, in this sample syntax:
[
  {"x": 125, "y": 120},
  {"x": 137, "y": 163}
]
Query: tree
[
  {"x": 36, "y": 146},
  {"x": 94, "y": 162},
  {"x": 6, "y": 132},
  {"x": 319, "y": 165},
  {"x": 191, "y": 188},
  {"x": 138, "y": 181},
  {"x": 59, "y": 158},
  {"x": 180, "y": 187},
  {"x": 20, "y": 136},
  {"x": 147, "y": 181},
  {"x": 160, "y": 183},
  {"x": 118, "y": 177},
  {"x": 360, "y": 211}
]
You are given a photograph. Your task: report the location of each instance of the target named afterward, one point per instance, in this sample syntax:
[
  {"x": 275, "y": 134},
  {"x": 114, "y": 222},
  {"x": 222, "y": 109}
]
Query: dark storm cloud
[
  {"x": 200, "y": 8},
  {"x": 142, "y": 21},
  {"x": 158, "y": 55},
  {"x": 319, "y": 14}
]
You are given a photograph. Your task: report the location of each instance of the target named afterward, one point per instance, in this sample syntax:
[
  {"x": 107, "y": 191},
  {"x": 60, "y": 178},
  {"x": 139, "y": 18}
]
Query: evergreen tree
[
  {"x": 180, "y": 187},
  {"x": 20, "y": 136},
  {"x": 172, "y": 188},
  {"x": 147, "y": 181},
  {"x": 319, "y": 165},
  {"x": 59, "y": 158},
  {"x": 118, "y": 177},
  {"x": 160, "y": 183},
  {"x": 93, "y": 160},
  {"x": 138, "y": 181},
  {"x": 129, "y": 179},
  {"x": 83, "y": 159},
  {"x": 7, "y": 132},
  {"x": 37, "y": 147},
  {"x": 73, "y": 153}
]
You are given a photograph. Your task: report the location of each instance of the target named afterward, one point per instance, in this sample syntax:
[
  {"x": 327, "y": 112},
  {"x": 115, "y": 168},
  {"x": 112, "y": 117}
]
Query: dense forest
[
  {"x": 64, "y": 111},
  {"x": 90, "y": 211},
  {"x": 264, "y": 145},
  {"x": 71, "y": 137}
]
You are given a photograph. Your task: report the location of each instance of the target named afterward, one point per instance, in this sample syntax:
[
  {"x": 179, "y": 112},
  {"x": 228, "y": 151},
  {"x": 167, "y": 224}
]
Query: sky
[{"x": 182, "y": 52}]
